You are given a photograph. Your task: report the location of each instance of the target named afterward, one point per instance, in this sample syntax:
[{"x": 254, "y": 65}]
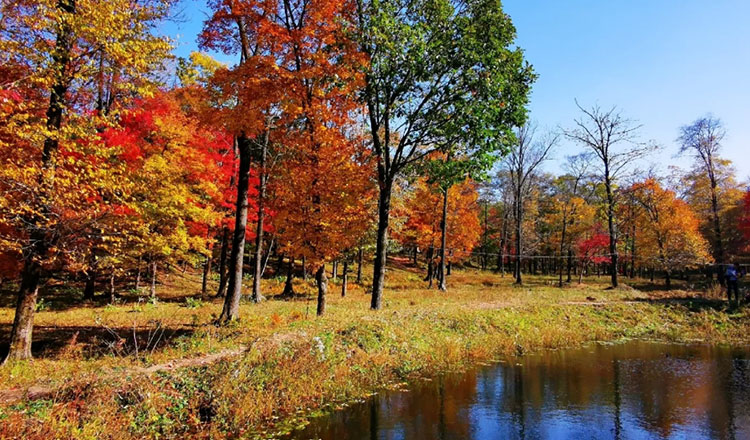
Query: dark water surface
[{"x": 636, "y": 390}]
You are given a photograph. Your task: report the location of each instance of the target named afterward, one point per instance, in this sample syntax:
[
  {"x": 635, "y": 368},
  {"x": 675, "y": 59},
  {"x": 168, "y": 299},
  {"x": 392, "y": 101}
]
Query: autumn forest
[{"x": 356, "y": 156}]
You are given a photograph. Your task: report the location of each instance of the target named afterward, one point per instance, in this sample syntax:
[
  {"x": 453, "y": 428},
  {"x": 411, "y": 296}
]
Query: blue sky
[{"x": 664, "y": 63}]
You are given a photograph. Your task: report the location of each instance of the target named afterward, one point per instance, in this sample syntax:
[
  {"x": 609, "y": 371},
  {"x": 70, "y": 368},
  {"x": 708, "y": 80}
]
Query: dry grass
[{"x": 296, "y": 363}]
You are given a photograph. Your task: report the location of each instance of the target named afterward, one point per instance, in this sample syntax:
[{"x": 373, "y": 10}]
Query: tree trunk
[
  {"x": 430, "y": 260},
  {"x": 206, "y": 273},
  {"x": 153, "y": 279},
  {"x": 304, "y": 268},
  {"x": 138, "y": 274},
  {"x": 222, "y": 290},
  {"x": 344, "y": 278},
  {"x": 519, "y": 231},
  {"x": 23, "y": 322},
  {"x": 322, "y": 280},
  {"x": 378, "y": 278},
  {"x": 258, "y": 271},
  {"x": 279, "y": 265},
  {"x": 288, "y": 286},
  {"x": 570, "y": 263},
  {"x": 231, "y": 308},
  {"x": 484, "y": 240},
  {"x": 112, "y": 287},
  {"x": 717, "y": 228},
  {"x": 334, "y": 270},
  {"x": 89, "y": 289},
  {"x": 443, "y": 241},
  {"x": 612, "y": 227},
  {"x": 359, "y": 266},
  {"x": 668, "y": 280}
]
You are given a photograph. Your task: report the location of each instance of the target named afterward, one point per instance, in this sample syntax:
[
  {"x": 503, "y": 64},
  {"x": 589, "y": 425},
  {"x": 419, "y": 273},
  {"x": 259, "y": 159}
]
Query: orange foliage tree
[
  {"x": 421, "y": 215},
  {"x": 59, "y": 56},
  {"x": 671, "y": 238},
  {"x": 292, "y": 92}
]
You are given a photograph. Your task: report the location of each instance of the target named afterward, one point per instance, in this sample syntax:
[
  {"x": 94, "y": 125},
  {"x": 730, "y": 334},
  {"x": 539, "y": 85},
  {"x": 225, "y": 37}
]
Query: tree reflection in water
[{"x": 625, "y": 391}]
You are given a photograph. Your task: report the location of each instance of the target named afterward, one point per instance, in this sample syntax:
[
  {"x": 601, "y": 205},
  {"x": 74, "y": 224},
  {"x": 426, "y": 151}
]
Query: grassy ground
[{"x": 280, "y": 363}]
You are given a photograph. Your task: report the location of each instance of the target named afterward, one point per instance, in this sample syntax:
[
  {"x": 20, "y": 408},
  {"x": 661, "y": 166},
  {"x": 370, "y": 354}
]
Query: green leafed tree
[{"x": 442, "y": 76}]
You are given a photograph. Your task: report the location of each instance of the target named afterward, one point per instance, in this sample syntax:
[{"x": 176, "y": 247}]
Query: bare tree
[
  {"x": 612, "y": 138},
  {"x": 702, "y": 139},
  {"x": 521, "y": 163}
]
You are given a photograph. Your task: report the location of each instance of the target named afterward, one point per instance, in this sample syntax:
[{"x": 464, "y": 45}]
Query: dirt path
[{"x": 34, "y": 392}]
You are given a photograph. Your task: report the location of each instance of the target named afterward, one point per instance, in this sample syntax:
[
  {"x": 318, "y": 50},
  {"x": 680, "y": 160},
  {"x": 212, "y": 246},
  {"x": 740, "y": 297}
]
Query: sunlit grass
[{"x": 296, "y": 362}]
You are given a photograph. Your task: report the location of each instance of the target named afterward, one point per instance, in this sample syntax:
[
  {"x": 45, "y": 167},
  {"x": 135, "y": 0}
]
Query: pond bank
[{"x": 301, "y": 366}]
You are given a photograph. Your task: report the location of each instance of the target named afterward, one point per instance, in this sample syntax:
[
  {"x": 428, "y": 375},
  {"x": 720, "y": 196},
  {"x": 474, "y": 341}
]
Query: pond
[{"x": 635, "y": 390}]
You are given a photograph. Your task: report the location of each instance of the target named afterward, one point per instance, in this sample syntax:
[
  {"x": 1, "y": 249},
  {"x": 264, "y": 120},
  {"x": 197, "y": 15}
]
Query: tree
[
  {"x": 572, "y": 210},
  {"x": 612, "y": 138},
  {"x": 65, "y": 48},
  {"x": 247, "y": 99},
  {"x": 442, "y": 75},
  {"x": 521, "y": 164},
  {"x": 672, "y": 234},
  {"x": 422, "y": 216},
  {"x": 593, "y": 249},
  {"x": 702, "y": 139},
  {"x": 744, "y": 224}
]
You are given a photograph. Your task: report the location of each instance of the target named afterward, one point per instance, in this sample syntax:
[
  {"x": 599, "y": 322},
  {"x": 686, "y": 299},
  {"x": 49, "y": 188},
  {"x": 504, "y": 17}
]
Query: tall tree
[
  {"x": 702, "y": 139},
  {"x": 521, "y": 164},
  {"x": 441, "y": 74},
  {"x": 64, "y": 46},
  {"x": 672, "y": 237},
  {"x": 612, "y": 138},
  {"x": 571, "y": 208}
]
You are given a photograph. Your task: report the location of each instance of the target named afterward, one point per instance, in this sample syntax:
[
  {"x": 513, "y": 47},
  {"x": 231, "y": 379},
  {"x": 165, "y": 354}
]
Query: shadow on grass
[{"x": 96, "y": 341}]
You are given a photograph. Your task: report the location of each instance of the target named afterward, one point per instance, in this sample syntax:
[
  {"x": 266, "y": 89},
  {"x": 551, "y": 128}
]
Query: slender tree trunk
[
  {"x": 430, "y": 260},
  {"x": 612, "y": 227},
  {"x": 381, "y": 244},
  {"x": 484, "y": 239},
  {"x": 138, "y": 274},
  {"x": 304, "y": 268},
  {"x": 668, "y": 279},
  {"x": 519, "y": 239},
  {"x": 112, "y": 287},
  {"x": 258, "y": 271},
  {"x": 222, "y": 290},
  {"x": 344, "y": 278},
  {"x": 90, "y": 287},
  {"x": 562, "y": 247},
  {"x": 359, "y": 266},
  {"x": 206, "y": 273},
  {"x": 570, "y": 263},
  {"x": 580, "y": 275},
  {"x": 279, "y": 265},
  {"x": 322, "y": 280},
  {"x": 153, "y": 278},
  {"x": 23, "y": 322},
  {"x": 443, "y": 241},
  {"x": 717, "y": 228},
  {"x": 334, "y": 270},
  {"x": 231, "y": 308}
]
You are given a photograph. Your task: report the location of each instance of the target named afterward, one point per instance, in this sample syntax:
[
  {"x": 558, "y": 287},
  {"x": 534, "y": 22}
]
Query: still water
[{"x": 636, "y": 390}]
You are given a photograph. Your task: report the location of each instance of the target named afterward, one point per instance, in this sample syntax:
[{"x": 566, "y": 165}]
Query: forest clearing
[{"x": 88, "y": 355}]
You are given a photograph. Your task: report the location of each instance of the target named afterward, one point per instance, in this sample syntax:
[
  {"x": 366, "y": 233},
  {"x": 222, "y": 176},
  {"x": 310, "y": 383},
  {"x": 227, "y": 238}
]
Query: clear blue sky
[{"x": 664, "y": 63}]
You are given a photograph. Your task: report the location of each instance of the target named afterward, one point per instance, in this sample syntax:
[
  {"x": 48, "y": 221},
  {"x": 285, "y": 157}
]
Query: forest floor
[{"x": 140, "y": 369}]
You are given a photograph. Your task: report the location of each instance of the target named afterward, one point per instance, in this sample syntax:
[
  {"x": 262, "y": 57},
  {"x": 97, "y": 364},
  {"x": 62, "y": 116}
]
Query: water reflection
[{"x": 636, "y": 390}]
